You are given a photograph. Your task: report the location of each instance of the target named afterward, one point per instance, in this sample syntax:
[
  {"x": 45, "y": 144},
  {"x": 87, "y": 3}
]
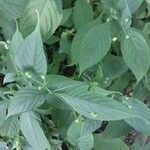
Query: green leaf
[
  {"x": 86, "y": 142},
  {"x": 62, "y": 118},
  {"x": 108, "y": 3},
  {"x": 96, "y": 107},
  {"x": 82, "y": 14},
  {"x": 113, "y": 66},
  {"x": 67, "y": 20},
  {"x": 99, "y": 74},
  {"x": 109, "y": 144},
  {"x": 147, "y": 147},
  {"x": 77, "y": 138},
  {"x": 11, "y": 9},
  {"x": 3, "y": 145},
  {"x": 142, "y": 122},
  {"x": 50, "y": 15},
  {"x": 74, "y": 132},
  {"x": 134, "y": 5},
  {"x": 16, "y": 42},
  {"x": 91, "y": 125},
  {"x": 8, "y": 26},
  {"x": 116, "y": 129},
  {"x": 25, "y": 100},
  {"x": 57, "y": 83},
  {"x": 121, "y": 11},
  {"x": 115, "y": 29},
  {"x": 146, "y": 30},
  {"x": 10, "y": 127},
  {"x": 31, "y": 55},
  {"x": 8, "y": 11},
  {"x": 121, "y": 83},
  {"x": 33, "y": 132},
  {"x": 93, "y": 47},
  {"x": 138, "y": 61},
  {"x": 3, "y": 109},
  {"x": 126, "y": 18},
  {"x": 148, "y": 6},
  {"x": 65, "y": 44},
  {"x": 80, "y": 35},
  {"x": 140, "y": 141},
  {"x": 15, "y": 45},
  {"x": 52, "y": 40},
  {"x": 102, "y": 91}
]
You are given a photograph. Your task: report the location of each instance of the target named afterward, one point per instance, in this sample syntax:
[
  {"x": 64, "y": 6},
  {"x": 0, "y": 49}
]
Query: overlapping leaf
[
  {"x": 91, "y": 44},
  {"x": 82, "y": 13},
  {"x": 136, "y": 53},
  {"x": 77, "y": 138},
  {"x": 33, "y": 132},
  {"x": 31, "y": 55},
  {"x": 50, "y": 15},
  {"x": 141, "y": 123},
  {"x": 25, "y": 100}
]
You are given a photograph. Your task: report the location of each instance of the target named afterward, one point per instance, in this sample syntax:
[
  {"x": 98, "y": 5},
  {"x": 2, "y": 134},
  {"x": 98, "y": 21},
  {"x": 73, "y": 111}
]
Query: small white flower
[
  {"x": 107, "y": 79},
  {"x": 127, "y": 36},
  {"x": 123, "y": 102},
  {"x": 77, "y": 120},
  {"x": 114, "y": 39},
  {"x": 93, "y": 114},
  {"x": 129, "y": 106},
  {"x": 114, "y": 12},
  {"x": 108, "y": 20},
  {"x": 43, "y": 77},
  {"x": 8, "y": 41},
  {"x": 28, "y": 74},
  {"x": 6, "y": 46},
  {"x": 105, "y": 82},
  {"x": 39, "y": 88},
  {"x": 127, "y": 19}
]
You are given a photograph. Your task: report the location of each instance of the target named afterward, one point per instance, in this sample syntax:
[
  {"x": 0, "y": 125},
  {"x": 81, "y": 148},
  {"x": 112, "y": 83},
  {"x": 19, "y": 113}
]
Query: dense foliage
[{"x": 74, "y": 74}]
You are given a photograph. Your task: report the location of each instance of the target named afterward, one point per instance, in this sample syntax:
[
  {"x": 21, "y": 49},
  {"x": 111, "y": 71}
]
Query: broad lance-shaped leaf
[
  {"x": 25, "y": 100},
  {"x": 11, "y": 9},
  {"x": 77, "y": 40},
  {"x": 57, "y": 83},
  {"x": 33, "y": 132},
  {"x": 15, "y": 45},
  {"x": 10, "y": 127},
  {"x": 77, "y": 137},
  {"x": 132, "y": 4},
  {"x": 82, "y": 13},
  {"x": 116, "y": 129},
  {"x": 101, "y": 143},
  {"x": 50, "y": 12},
  {"x": 8, "y": 11},
  {"x": 93, "y": 47},
  {"x": 136, "y": 53},
  {"x": 60, "y": 83},
  {"x": 31, "y": 55},
  {"x": 141, "y": 123},
  {"x": 122, "y": 11},
  {"x": 113, "y": 66},
  {"x": 3, "y": 110},
  {"x": 126, "y": 17},
  {"x": 97, "y": 107}
]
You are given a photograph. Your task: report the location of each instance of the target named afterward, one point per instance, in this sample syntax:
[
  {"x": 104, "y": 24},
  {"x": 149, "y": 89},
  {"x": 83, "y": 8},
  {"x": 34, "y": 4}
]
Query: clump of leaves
[{"x": 74, "y": 75}]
